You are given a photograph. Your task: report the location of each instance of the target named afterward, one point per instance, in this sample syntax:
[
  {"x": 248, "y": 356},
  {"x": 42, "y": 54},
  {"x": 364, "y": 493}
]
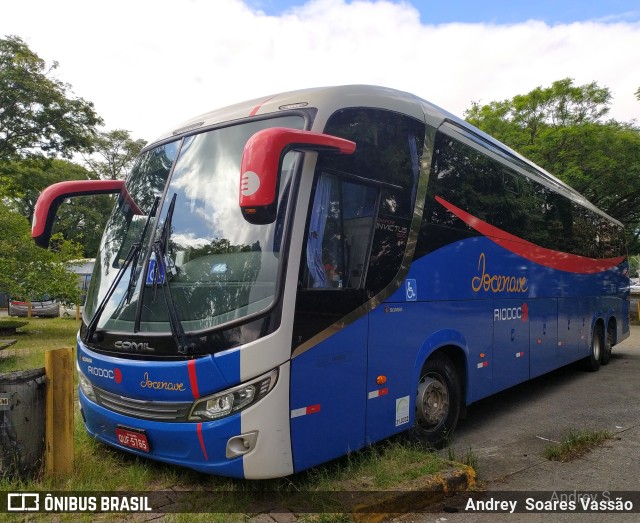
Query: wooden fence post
[{"x": 59, "y": 412}]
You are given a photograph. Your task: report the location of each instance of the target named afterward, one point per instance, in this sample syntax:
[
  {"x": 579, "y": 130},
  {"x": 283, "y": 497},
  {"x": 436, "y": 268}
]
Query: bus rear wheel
[
  {"x": 608, "y": 346},
  {"x": 437, "y": 402},
  {"x": 592, "y": 362}
]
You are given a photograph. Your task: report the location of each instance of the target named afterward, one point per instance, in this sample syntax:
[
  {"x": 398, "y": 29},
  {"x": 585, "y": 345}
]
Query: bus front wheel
[{"x": 437, "y": 402}]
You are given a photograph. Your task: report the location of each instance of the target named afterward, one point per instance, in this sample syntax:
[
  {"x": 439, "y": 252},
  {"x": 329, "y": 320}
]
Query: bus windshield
[{"x": 217, "y": 266}]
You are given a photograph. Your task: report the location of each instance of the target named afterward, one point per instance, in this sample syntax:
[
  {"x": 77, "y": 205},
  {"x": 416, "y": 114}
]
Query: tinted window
[
  {"x": 492, "y": 191},
  {"x": 359, "y": 218}
]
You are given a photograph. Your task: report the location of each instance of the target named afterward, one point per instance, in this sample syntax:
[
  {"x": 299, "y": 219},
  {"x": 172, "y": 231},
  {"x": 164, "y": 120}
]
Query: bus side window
[{"x": 339, "y": 235}]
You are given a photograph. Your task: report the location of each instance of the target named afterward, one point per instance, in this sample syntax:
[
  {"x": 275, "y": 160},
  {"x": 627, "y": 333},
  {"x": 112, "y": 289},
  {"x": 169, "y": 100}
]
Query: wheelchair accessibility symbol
[{"x": 411, "y": 290}]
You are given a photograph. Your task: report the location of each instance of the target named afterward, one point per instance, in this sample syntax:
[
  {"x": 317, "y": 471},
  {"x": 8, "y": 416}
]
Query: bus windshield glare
[{"x": 218, "y": 267}]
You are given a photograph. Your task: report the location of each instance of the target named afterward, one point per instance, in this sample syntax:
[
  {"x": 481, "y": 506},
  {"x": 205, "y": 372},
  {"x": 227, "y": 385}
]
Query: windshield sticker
[
  {"x": 151, "y": 274},
  {"x": 219, "y": 268}
]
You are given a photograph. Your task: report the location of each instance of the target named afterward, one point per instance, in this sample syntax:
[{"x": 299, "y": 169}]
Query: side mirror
[
  {"x": 49, "y": 200},
  {"x": 261, "y": 161}
]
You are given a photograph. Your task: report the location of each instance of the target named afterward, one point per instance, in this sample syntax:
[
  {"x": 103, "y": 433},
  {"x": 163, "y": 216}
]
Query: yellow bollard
[{"x": 59, "y": 412}]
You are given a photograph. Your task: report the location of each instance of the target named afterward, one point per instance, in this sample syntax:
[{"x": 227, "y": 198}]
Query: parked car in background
[
  {"x": 45, "y": 308},
  {"x": 68, "y": 310}
]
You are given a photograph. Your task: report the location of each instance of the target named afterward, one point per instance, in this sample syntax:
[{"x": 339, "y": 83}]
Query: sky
[{"x": 148, "y": 65}]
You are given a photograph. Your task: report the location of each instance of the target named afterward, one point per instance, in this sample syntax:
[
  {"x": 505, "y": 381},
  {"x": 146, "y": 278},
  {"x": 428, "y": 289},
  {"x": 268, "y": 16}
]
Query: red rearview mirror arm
[
  {"x": 261, "y": 162},
  {"x": 49, "y": 200}
]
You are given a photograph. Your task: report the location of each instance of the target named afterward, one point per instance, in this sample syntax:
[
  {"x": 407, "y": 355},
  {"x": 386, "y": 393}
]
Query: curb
[
  {"x": 377, "y": 506},
  {"x": 416, "y": 495}
]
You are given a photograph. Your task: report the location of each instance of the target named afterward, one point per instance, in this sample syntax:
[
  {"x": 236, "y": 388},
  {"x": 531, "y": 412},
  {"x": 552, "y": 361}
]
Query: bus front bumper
[{"x": 202, "y": 446}]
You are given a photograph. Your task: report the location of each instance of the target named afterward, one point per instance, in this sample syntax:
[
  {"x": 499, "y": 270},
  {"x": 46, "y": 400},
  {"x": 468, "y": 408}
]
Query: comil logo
[
  {"x": 134, "y": 346},
  {"x": 511, "y": 313}
]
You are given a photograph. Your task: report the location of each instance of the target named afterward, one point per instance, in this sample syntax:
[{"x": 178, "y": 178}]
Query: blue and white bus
[{"x": 289, "y": 279}]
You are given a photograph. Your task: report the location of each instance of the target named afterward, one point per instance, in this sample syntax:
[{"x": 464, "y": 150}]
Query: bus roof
[{"x": 333, "y": 98}]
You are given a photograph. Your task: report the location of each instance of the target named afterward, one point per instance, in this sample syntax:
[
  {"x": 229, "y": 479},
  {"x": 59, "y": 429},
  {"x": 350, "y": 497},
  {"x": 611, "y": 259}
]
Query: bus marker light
[
  {"x": 483, "y": 364},
  {"x": 377, "y": 393},
  {"x": 381, "y": 380},
  {"x": 519, "y": 354},
  {"x": 312, "y": 409}
]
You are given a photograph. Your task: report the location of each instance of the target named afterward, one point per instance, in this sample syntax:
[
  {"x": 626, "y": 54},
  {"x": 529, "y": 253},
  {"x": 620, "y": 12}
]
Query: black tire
[
  {"x": 437, "y": 403},
  {"x": 608, "y": 346},
  {"x": 592, "y": 362}
]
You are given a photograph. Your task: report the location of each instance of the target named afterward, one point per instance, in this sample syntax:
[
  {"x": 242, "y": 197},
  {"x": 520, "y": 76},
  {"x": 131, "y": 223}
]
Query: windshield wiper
[
  {"x": 131, "y": 260},
  {"x": 163, "y": 267}
]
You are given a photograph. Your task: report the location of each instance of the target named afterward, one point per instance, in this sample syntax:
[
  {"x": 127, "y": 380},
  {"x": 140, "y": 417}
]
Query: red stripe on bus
[
  {"x": 201, "y": 439},
  {"x": 313, "y": 409},
  {"x": 562, "y": 261},
  {"x": 193, "y": 379},
  {"x": 255, "y": 110}
]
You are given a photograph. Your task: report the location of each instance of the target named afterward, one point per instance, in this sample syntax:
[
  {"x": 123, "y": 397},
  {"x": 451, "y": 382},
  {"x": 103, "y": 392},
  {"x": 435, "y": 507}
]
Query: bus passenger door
[
  {"x": 510, "y": 343},
  {"x": 543, "y": 321},
  {"x": 327, "y": 397}
]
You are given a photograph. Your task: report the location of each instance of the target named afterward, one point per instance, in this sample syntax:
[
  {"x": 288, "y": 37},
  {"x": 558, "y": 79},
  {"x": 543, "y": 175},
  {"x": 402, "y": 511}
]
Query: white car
[
  {"x": 43, "y": 309},
  {"x": 68, "y": 310}
]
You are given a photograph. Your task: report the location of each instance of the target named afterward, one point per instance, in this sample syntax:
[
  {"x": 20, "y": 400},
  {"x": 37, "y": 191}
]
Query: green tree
[
  {"x": 563, "y": 129},
  {"x": 22, "y": 181},
  {"x": 28, "y": 272},
  {"x": 114, "y": 154},
  {"x": 80, "y": 220},
  {"x": 38, "y": 115}
]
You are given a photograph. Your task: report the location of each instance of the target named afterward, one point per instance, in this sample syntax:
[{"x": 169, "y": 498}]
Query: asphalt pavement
[{"x": 508, "y": 434}]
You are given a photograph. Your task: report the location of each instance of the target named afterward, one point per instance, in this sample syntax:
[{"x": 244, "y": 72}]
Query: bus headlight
[
  {"x": 85, "y": 385},
  {"x": 233, "y": 400}
]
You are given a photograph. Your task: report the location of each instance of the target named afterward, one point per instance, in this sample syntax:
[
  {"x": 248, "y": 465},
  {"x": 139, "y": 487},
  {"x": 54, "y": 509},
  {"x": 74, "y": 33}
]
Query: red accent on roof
[
  {"x": 562, "y": 261},
  {"x": 255, "y": 110}
]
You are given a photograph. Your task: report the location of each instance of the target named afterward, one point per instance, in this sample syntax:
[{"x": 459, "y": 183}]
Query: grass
[
  {"x": 317, "y": 491},
  {"x": 468, "y": 457},
  {"x": 34, "y": 339},
  {"x": 575, "y": 443},
  {"x": 387, "y": 464},
  {"x": 98, "y": 467}
]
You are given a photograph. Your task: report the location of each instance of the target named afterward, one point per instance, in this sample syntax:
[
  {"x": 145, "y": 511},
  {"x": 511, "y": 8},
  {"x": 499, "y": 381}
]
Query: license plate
[{"x": 135, "y": 439}]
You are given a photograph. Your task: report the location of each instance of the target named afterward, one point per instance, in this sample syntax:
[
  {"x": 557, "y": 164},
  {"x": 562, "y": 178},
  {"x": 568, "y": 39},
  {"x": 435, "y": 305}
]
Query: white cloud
[{"x": 148, "y": 65}]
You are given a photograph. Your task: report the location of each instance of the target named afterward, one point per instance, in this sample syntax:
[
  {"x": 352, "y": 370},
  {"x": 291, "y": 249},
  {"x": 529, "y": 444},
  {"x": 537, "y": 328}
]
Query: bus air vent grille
[{"x": 145, "y": 409}]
